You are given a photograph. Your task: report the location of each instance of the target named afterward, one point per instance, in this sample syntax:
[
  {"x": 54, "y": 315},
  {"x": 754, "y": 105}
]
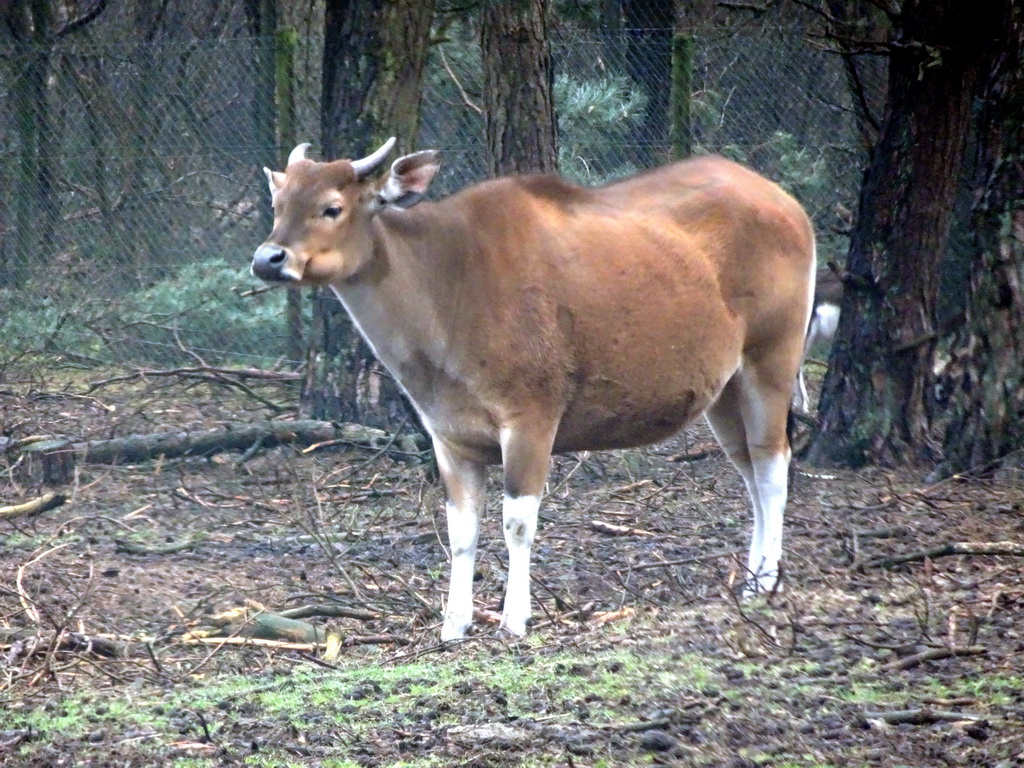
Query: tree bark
[
  {"x": 518, "y": 87},
  {"x": 374, "y": 56},
  {"x": 876, "y": 399},
  {"x": 985, "y": 377},
  {"x": 30, "y": 24}
]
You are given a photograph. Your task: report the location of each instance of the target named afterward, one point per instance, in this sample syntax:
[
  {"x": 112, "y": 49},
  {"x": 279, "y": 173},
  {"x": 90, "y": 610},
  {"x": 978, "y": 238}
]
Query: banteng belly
[{"x": 649, "y": 398}]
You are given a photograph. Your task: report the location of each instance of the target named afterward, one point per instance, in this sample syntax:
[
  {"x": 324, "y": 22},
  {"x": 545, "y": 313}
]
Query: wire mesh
[{"x": 133, "y": 197}]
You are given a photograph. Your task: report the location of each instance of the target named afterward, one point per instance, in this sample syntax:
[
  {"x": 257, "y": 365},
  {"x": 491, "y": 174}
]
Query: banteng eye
[{"x": 333, "y": 212}]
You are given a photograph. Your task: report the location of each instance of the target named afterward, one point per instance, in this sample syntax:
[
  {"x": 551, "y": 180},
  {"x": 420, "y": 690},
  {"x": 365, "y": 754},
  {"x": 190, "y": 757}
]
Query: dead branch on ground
[
  {"x": 134, "y": 548},
  {"x": 240, "y": 437},
  {"x": 34, "y": 507},
  {"x": 924, "y": 716},
  {"x": 198, "y": 370},
  {"x": 334, "y": 611},
  {"x": 611, "y": 529},
  {"x": 23, "y": 643},
  {"x": 1011, "y": 548},
  {"x": 935, "y": 654}
]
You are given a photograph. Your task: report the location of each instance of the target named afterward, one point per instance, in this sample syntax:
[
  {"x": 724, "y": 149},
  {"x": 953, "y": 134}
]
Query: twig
[
  {"x": 26, "y": 601},
  {"x": 462, "y": 91},
  {"x": 242, "y": 373},
  {"x": 686, "y": 560},
  {"x": 616, "y": 530}
]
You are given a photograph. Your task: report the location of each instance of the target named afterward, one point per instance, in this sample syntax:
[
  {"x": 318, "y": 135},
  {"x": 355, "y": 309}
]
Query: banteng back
[{"x": 527, "y": 315}]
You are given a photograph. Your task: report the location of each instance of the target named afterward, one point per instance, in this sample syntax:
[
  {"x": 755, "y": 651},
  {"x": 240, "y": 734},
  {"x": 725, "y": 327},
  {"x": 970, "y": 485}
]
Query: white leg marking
[
  {"x": 519, "y": 518},
  {"x": 772, "y": 477},
  {"x": 462, "y": 536},
  {"x": 465, "y": 485}
]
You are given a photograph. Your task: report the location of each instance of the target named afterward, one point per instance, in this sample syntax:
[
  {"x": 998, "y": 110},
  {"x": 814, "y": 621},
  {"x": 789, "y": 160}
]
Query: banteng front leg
[{"x": 464, "y": 483}]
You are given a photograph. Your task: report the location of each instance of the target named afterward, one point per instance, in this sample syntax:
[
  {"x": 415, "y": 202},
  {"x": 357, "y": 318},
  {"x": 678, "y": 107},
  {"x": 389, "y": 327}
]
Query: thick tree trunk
[
  {"x": 876, "y": 399},
  {"x": 35, "y": 208},
  {"x": 985, "y": 378},
  {"x": 374, "y": 55},
  {"x": 518, "y": 84}
]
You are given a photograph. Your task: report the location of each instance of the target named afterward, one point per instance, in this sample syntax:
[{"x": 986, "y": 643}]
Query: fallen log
[
  {"x": 1011, "y": 548},
  {"x": 35, "y": 507},
  {"x": 252, "y": 622},
  {"x": 934, "y": 654},
  {"x": 335, "y": 611},
  {"x": 60, "y": 456},
  {"x": 23, "y": 643}
]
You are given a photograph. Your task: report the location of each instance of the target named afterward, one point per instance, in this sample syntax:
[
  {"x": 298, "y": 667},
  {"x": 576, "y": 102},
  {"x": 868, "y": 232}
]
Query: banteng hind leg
[
  {"x": 749, "y": 421},
  {"x": 526, "y": 458}
]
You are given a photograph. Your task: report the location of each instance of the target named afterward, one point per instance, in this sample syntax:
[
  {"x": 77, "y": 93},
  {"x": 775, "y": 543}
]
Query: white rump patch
[{"x": 825, "y": 324}]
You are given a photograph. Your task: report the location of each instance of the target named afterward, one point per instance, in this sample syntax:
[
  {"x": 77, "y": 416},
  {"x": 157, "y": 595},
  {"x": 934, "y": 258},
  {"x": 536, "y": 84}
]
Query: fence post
[{"x": 682, "y": 95}]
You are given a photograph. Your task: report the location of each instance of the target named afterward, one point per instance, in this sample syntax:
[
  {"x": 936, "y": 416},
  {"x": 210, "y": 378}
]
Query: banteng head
[{"x": 322, "y": 213}]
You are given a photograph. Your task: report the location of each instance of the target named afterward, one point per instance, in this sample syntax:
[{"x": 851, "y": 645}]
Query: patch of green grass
[
  {"x": 476, "y": 682},
  {"x": 994, "y": 690},
  {"x": 805, "y": 761},
  {"x": 76, "y": 715}
]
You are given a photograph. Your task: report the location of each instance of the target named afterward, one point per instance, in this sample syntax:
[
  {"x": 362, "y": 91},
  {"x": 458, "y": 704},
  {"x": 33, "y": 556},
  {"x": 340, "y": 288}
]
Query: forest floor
[{"x": 639, "y": 655}]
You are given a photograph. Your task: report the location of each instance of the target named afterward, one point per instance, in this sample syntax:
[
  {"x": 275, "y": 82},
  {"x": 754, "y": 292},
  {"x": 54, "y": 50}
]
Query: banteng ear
[
  {"x": 409, "y": 179},
  {"x": 276, "y": 181}
]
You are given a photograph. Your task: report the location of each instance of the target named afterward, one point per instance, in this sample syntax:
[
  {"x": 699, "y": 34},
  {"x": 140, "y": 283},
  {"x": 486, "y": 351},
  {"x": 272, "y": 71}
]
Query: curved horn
[
  {"x": 370, "y": 163},
  {"x": 299, "y": 153}
]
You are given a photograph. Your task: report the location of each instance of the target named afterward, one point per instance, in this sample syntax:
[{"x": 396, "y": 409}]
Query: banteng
[
  {"x": 527, "y": 315},
  {"x": 828, "y": 296}
]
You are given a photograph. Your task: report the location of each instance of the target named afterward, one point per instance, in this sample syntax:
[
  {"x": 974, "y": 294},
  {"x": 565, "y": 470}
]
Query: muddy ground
[{"x": 640, "y": 653}]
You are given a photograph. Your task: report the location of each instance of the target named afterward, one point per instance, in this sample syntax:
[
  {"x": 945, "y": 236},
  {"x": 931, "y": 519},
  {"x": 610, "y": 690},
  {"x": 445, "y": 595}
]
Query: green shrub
[{"x": 197, "y": 308}]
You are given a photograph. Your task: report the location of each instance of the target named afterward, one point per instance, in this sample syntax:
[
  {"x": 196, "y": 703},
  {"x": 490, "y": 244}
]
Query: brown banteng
[
  {"x": 828, "y": 297},
  {"x": 526, "y": 315}
]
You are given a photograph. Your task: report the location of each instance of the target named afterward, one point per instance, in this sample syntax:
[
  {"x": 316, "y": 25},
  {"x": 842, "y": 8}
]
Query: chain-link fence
[{"x": 132, "y": 196}]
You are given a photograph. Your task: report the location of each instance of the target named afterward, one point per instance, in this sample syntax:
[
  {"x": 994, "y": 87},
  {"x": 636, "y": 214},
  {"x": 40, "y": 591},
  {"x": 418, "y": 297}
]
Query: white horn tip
[
  {"x": 372, "y": 162},
  {"x": 299, "y": 153}
]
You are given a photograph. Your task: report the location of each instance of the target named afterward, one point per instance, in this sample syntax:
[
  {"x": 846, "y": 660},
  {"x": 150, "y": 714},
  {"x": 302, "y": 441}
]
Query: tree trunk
[
  {"x": 876, "y": 399},
  {"x": 518, "y": 84},
  {"x": 374, "y": 56},
  {"x": 985, "y": 377},
  {"x": 649, "y": 27},
  {"x": 34, "y": 204},
  {"x": 695, "y": 17}
]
